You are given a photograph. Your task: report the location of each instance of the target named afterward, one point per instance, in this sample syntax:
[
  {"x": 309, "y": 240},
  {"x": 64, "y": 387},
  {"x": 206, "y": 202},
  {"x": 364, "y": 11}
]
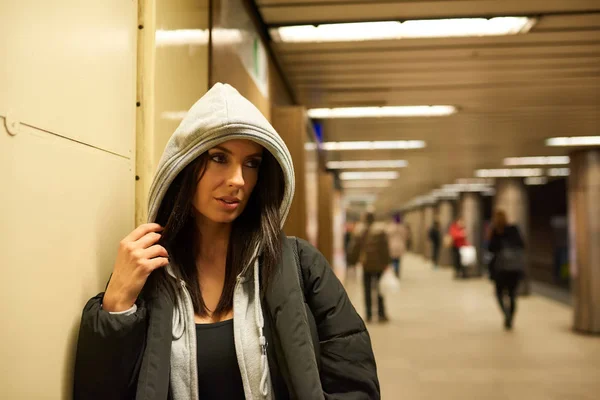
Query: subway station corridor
[{"x": 445, "y": 339}]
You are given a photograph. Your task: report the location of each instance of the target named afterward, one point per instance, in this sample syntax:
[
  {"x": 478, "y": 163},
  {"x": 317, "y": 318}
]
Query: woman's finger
[
  {"x": 157, "y": 262},
  {"x": 155, "y": 251},
  {"x": 141, "y": 231},
  {"x": 148, "y": 240}
]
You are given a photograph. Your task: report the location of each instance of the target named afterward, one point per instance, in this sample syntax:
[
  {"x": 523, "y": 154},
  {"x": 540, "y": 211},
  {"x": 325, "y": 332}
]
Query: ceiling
[{"x": 512, "y": 92}]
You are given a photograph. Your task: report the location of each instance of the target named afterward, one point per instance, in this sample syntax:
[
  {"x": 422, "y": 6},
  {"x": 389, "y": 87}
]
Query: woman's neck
[{"x": 213, "y": 241}]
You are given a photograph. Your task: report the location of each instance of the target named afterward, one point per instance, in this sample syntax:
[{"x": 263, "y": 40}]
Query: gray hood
[{"x": 222, "y": 114}]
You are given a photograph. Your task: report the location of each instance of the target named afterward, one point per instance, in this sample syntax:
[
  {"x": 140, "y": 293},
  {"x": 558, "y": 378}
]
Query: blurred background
[{"x": 422, "y": 112}]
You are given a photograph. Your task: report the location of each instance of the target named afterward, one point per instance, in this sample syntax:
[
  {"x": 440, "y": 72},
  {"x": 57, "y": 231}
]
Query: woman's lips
[{"x": 229, "y": 203}]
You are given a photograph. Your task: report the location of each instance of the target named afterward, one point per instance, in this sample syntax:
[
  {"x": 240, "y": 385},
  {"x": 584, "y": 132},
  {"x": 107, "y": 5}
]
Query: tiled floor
[{"x": 446, "y": 341}]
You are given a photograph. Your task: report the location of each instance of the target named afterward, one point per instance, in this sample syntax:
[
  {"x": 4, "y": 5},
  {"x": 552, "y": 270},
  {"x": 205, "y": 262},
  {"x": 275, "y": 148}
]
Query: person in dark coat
[
  {"x": 506, "y": 273},
  {"x": 435, "y": 237},
  {"x": 370, "y": 247},
  {"x": 209, "y": 299}
]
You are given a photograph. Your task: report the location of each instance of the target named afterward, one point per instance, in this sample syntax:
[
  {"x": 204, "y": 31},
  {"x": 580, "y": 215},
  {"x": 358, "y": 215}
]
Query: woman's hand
[{"x": 137, "y": 257}]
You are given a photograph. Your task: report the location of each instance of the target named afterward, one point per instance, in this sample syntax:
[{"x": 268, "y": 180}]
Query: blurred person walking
[
  {"x": 435, "y": 237},
  {"x": 507, "y": 266},
  {"x": 370, "y": 247},
  {"x": 397, "y": 241},
  {"x": 459, "y": 239}
]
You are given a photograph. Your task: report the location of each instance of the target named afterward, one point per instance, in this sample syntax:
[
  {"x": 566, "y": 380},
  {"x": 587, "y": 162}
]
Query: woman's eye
[
  {"x": 218, "y": 158},
  {"x": 255, "y": 163}
]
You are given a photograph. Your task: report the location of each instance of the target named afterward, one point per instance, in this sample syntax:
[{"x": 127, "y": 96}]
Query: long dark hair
[{"x": 259, "y": 224}]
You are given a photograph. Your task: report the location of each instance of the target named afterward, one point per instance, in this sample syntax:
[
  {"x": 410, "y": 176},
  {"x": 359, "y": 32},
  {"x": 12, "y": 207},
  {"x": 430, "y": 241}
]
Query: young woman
[
  {"x": 459, "y": 239},
  {"x": 210, "y": 300},
  {"x": 506, "y": 269}
]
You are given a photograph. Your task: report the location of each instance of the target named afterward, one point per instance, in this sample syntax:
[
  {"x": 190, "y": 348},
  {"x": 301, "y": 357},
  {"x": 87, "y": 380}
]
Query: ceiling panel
[
  {"x": 296, "y": 72},
  {"x": 300, "y": 12},
  {"x": 512, "y": 92},
  {"x": 549, "y": 38}
]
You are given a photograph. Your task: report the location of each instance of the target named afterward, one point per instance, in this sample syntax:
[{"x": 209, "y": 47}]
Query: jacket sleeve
[
  {"x": 348, "y": 369},
  {"x": 109, "y": 352}
]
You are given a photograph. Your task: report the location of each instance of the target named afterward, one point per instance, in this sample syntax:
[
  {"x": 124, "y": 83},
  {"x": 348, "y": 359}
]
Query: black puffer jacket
[{"x": 128, "y": 357}]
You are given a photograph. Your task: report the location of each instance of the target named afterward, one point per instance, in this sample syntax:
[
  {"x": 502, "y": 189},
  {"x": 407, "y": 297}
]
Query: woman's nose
[{"x": 236, "y": 177}]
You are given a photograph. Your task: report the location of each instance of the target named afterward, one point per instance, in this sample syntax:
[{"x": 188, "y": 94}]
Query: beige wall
[
  {"x": 326, "y": 217},
  {"x": 233, "y": 34},
  {"x": 302, "y": 221},
  {"x": 68, "y": 76},
  {"x": 173, "y": 73}
]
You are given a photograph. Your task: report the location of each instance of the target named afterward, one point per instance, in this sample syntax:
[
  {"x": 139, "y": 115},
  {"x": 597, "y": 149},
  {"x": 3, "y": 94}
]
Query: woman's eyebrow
[{"x": 223, "y": 149}]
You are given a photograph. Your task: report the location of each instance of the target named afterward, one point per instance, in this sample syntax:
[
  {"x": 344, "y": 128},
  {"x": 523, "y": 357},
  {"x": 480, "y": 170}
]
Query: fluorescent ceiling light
[
  {"x": 444, "y": 194},
  {"x": 555, "y": 160},
  {"x": 558, "y": 172},
  {"x": 385, "y": 30},
  {"x": 360, "y": 197},
  {"x": 348, "y": 176},
  {"x": 365, "y": 184},
  {"x": 367, "y": 164},
  {"x": 536, "y": 180},
  {"x": 181, "y": 37},
  {"x": 466, "y": 187},
  {"x": 374, "y": 112},
  {"x": 481, "y": 181},
  {"x": 422, "y": 200},
  {"x": 574, "y": 141},
  {"x": 196, "y": 37},
  {"x": 507, "y": 173},
  {"x": 378, "y": 145}
]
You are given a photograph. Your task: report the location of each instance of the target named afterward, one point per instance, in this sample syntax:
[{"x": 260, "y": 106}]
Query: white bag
[
  {"x": 468, "y": 256},
  {"x": 389, "y": 284}
]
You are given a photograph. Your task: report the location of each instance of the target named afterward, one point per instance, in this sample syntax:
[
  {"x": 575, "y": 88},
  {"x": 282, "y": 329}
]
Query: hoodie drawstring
[{"x": 260, "y": 322}]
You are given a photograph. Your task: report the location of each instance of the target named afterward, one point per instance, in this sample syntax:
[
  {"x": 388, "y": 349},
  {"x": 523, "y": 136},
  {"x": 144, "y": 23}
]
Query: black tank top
[{"x": 218, "y": 371}]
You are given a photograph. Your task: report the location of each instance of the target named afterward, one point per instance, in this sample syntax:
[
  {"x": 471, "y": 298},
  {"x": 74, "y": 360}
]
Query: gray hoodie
[{"x": 221, "y": 115}]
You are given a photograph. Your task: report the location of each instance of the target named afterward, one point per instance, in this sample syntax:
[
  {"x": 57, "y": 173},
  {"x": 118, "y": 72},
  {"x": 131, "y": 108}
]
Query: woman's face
[{"x": 228, "y": 180}]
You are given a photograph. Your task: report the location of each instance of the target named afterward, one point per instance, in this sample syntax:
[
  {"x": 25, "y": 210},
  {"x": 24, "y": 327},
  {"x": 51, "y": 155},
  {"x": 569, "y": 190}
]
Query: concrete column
[
  {"x": 428, "y": 216},
  {"x": 418, "y": 231},
  {"x": 325, "y": 231},
  {"x": 511, "y": 197},
  {"x": 584, "y": 238},
  {"x": 410, "y": 221},
  {"x": 446, "y": 214},
  {"x": 471, "y": 209}
]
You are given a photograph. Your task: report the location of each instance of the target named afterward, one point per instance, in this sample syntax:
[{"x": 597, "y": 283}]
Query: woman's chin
[{"x": 224, "y": 217}]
